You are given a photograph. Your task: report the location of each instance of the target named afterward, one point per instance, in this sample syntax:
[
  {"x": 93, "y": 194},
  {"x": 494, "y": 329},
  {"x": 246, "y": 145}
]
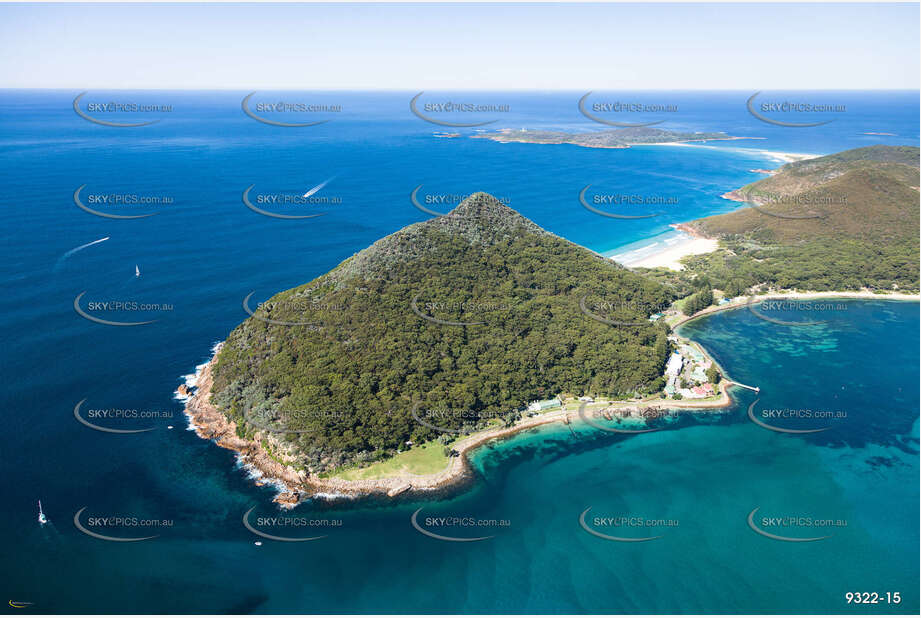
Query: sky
[{"x": 460, "y": 46}]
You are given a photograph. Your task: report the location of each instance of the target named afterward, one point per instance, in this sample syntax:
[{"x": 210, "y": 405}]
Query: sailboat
[
  {"x": 41, "y": 516},
  {"x": 137, "y": 271}
]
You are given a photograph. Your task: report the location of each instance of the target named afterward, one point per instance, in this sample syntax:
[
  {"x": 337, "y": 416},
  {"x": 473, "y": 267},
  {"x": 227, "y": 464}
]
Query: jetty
[{"x": 757, "y": 389}]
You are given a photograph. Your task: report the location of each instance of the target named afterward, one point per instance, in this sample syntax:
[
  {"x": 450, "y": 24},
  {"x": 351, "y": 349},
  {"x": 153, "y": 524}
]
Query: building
[
  {"x": 546, "y": 404},
  {"x": 692, "y": 353},
  {"x": 675, "y": 362},
  {"x": 704, "y": 390},
  {"x": 699, "y": 375},
  {"x": 670, "y": 387}
]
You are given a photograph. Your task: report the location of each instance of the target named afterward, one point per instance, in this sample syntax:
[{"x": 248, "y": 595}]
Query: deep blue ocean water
[{"x": 205, "y": 251}]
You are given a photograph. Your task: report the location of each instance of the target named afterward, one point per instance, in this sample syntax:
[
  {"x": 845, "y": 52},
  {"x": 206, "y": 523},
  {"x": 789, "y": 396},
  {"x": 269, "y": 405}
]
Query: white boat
[
  {"x": 41, "y": 516},
  {"x": 137, "y": 271}
]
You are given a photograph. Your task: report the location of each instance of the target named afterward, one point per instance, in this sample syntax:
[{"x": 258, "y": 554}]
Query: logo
[
  {"x": 289, "y": 417},
  {"x": 609, "y": 214},
  {"x": 785, "y": 107},
  {"x": 611, "y": 123},
  {"x": 415, "y": 307},
  {"x": 761, "y": 316},
  {"x": 585, "y": 310},
  {"x": 83, "y": 421},
  {"x": 454, "y": 522},
  {"x": 787, "y": 522},
  {"x": 111, "y": 520},
  {"x": 287, "y": 521},
  {"x": 298, "y": 200},
  {"x": 83, "y": 206},
  {"x": 453, "y": 107},
  {"x": 252, "y": 313},
  {"x": 751, "y": 416},
  {"x": 110, "y": 107},
  {"x": 111, "y": 306},
  {"x": 443, "y": 199},
  {"x": 280, "y": 106},
  {"x": 780, "y": 216},
  {"x": 608, "y": 537}
]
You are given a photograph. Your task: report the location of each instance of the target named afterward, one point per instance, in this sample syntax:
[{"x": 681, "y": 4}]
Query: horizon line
[{"x": 407, "y": 89}]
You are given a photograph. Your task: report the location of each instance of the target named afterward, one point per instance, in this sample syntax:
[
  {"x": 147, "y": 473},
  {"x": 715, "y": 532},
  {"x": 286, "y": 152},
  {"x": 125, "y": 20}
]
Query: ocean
[{"x": 205, "y": 251}]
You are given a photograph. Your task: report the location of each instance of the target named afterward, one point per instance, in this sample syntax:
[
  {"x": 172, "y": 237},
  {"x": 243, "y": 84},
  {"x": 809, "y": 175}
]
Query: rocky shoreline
[{"x": 296, "y": 485}]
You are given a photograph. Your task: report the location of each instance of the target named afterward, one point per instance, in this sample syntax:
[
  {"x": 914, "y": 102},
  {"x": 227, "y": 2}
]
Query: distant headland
[{"x": 610, "y": 138}]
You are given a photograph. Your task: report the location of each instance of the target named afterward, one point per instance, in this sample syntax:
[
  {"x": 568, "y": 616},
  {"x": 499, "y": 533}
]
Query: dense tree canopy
[{"x": 458, "y": 320}]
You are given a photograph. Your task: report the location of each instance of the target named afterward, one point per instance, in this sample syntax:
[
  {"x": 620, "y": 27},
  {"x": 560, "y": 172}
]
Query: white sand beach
[
  {"x": 667, "y": 251},
  {"x": 774, "y": 155}
]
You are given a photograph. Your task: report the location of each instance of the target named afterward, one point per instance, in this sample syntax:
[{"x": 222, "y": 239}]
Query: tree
[
  {"x": 698, "y": 301},
  {"x": 713, "y": 375}
]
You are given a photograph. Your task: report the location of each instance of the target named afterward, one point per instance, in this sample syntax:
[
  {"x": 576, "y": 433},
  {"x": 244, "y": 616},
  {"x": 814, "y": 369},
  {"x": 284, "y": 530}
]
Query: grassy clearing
[{"x": 428, "y": 458}]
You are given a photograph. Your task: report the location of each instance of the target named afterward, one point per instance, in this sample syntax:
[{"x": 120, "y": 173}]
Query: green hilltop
[
  {"x": 846, "y": 221},
  {"x": 464, "y": 318}
]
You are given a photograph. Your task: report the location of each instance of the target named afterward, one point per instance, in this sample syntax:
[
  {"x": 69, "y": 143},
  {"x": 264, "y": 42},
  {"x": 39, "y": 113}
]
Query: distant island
[{"x": 609, "y": 138}]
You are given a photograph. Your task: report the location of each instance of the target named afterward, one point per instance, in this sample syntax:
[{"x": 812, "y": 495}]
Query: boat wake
[{"x": 57, "y": 265}]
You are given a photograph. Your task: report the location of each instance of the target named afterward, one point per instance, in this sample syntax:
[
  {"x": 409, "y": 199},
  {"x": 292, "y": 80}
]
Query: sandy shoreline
[
  {"x": 855, "y": 295},
  {"x": 776, "y": 155},
  {"x": 296, "y": 485},
  {"x": 690, "y": 242}
]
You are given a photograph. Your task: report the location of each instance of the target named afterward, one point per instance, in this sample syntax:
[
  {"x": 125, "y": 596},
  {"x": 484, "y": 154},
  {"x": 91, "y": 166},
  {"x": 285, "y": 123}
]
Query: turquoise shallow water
[
  {"x": 705, "y": 474},
  {"x": 204, "y": 253}
]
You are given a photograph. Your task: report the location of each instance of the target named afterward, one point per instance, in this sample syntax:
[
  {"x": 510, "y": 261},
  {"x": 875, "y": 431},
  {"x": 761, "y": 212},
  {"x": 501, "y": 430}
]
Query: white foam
[
  {"x": 332, "y": 495},
  {"x": 255, "y": 474}
]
